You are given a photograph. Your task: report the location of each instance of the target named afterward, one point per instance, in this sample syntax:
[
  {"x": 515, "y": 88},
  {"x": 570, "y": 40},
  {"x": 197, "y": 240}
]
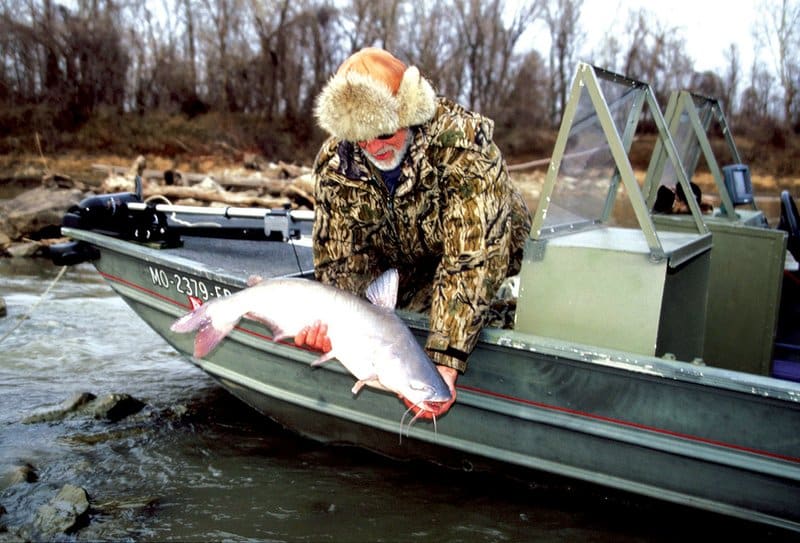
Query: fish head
[{"x": 427, "y": 395}]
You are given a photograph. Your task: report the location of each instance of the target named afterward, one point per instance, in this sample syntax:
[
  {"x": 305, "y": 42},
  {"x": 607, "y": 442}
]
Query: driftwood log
[
  {"x": 223, "y": 197},
  {"x": 272, "y": 185},
  {"x": 273, "y": 172}
]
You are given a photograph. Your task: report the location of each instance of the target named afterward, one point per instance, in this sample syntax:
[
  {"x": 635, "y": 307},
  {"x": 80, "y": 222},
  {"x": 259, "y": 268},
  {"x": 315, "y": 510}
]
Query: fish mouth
[{"x": 433, "y": 406}]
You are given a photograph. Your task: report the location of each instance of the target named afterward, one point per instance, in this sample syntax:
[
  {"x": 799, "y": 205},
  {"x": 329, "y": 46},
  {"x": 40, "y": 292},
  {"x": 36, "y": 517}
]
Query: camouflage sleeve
[
  {"x": 477, "y": 232},
  {"x": 339, "y": 259}
]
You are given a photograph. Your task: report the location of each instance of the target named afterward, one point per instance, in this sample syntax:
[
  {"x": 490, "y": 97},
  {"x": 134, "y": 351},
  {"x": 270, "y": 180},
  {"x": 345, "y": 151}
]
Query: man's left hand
[{"x": 449, "y": 375}]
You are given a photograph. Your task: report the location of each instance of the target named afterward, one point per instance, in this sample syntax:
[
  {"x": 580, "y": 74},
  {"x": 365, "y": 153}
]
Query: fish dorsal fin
[{"x": 383, "y": 290}]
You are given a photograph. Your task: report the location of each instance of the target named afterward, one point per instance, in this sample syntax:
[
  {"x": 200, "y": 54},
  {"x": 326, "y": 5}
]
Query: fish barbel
[{"x": 367, "y": 336}]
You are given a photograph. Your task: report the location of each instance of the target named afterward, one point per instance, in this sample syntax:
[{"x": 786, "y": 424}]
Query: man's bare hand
[
  {"x": 314, "y": 337},
  {"x": 437, "y": 409}
]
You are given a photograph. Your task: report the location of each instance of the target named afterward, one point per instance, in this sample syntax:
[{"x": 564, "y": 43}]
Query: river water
[{"x": 197, "y": 465}]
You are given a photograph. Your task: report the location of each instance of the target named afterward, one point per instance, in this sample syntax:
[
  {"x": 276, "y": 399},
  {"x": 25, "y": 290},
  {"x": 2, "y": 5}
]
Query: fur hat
[{"x": 373, "y": 93}]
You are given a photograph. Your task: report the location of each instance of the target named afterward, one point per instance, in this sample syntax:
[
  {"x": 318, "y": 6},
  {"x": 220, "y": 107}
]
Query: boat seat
[{"x": 790, "y": 222}]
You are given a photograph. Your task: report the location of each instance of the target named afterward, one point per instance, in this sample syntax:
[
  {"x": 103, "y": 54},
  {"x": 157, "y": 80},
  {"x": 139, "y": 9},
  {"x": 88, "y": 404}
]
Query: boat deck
[{"x": 248, "y": 257}]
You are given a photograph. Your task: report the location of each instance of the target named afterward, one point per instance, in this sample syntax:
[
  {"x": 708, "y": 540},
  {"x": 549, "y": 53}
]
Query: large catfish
[{"x": 367, "y": 337}]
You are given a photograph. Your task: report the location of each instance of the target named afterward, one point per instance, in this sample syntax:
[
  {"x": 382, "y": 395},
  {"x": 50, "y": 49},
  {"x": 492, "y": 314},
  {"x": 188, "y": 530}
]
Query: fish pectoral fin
[
  {"x": 370, "y": 381},
  {"x": 322, "y": 359},
  {"x": 358, "y": 386}
]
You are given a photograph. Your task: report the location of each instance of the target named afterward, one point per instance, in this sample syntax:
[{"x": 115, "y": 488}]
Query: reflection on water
[{"x": 196, "y": 464}]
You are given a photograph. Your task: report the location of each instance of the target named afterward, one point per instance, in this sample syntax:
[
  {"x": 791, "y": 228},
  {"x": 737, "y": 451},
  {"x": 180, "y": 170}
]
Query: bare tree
[
  {"x": 224, "y": 25},
  {"x": 191, "y": 44},
  {"x": 731, "y": 79},
  {"x": 432, "y": 44},
  {"x": 757, "y": 97},
  {"x": 707, "y": 83},
  {"x": 649, "y": 51},
  {"x": 608, "y": 54},
  {"x": 779, "y": 30},
  {"x": 371, "y": 23},
  {"x": 486, "y": 53},
  {"x": 562, "y": 18}
]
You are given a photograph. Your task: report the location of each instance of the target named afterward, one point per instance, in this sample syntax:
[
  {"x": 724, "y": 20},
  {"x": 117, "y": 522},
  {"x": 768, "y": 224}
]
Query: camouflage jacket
[{"x": 454, "y": 227}]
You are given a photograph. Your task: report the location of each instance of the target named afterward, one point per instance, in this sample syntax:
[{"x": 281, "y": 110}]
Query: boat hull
[{"x": 713, "y": 439}]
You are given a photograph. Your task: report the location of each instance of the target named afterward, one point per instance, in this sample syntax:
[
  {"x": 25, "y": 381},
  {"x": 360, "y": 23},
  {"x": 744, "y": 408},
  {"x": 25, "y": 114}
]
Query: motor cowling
[
  {"x": 106, "y": 212},
  {"x": 109, "y": 214},
  {"x": 72, "y": 252}
]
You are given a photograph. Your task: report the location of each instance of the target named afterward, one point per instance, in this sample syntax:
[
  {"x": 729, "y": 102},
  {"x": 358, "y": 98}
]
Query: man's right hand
[{"x": 314, "y": 337}]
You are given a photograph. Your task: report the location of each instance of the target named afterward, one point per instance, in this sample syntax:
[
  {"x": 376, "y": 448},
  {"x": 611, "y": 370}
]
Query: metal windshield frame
[
  {"x": 586, "y": 78},
  {"x": 701, "y": 111}
]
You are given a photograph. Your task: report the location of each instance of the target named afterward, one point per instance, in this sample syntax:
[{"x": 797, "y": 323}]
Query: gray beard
[{"x": 386, "y": 166}]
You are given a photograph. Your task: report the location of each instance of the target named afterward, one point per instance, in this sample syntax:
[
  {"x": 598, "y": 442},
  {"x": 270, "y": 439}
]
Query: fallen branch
[
  {"x": 229, "y": 198},
  {"x": 268, "y": 184}
]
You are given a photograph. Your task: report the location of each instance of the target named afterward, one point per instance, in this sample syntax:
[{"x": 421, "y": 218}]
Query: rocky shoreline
[
  {"x": 69, "y": 508},
  {"x": 30, "y": 220}
]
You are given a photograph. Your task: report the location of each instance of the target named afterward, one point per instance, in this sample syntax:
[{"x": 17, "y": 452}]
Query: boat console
[
  {"x": 748, "y": 257},
  {"x": 588, "y": 278},
  {"x": 695, "y": 286}
]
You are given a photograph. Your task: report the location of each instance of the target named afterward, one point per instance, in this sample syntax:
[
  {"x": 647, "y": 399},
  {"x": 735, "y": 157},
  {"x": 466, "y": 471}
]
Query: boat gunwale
[{"x": 762, "y": 386}]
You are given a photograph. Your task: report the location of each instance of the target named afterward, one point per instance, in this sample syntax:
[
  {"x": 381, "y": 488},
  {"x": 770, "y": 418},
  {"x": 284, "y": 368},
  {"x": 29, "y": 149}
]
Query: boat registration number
[{"x": 188, "y": 286}]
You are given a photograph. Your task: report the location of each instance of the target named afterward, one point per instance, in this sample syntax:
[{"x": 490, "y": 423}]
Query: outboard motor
[
  {"x": 72, "y": 252},
  {"x": 105, "y": 213},
  {"x": 109, "y": 214}
]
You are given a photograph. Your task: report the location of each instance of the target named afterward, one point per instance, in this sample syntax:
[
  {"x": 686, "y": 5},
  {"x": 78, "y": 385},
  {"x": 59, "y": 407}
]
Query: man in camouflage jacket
[{"x": 414, "y": 183}]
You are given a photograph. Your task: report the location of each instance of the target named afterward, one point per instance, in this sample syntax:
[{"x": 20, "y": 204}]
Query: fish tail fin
[
  {"x": 209, "y": 336},
  {"x": 211, "y": 328},
  {"x": 191, "y": 321}
]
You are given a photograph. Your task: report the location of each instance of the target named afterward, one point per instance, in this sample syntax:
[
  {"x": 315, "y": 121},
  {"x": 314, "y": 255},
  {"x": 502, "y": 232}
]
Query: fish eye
[{"x": 416, "y": 385}]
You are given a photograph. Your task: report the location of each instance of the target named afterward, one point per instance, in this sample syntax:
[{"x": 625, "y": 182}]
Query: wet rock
[
  {"x": 26, "y": 249},
  {"x": 210, "y": 185},
  {"x": 60, "y": 181},
  {"x": 77, "y": 400},
  {"x": 135, "y": 503},
  {"x": 25, "y": 473},
  {"x": 3, "y": 308},
  {"x": 114, "y": 407},
  {"x": 66, "y": 513},
  {"x": 111, "y": 407},
  {"x": 67, "y": 407},
  {"x": 34, "y": 212},
  {"x": 104, "y": 437}
]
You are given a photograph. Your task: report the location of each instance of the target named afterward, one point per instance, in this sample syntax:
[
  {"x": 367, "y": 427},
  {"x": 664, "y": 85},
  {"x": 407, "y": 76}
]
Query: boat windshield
[
  {"x": 587, "y": 182},
  {"x": 692, "y": 119}
]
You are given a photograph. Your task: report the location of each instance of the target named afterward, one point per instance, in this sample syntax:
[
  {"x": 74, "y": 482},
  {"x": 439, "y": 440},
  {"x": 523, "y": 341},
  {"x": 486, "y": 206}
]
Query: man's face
[{"x": 386, "y": 152}]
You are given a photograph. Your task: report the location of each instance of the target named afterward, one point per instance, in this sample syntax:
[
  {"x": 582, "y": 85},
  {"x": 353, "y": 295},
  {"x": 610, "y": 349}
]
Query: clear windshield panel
[
  {"x": 686, "y": 142},
  {"x": 689, "y": 147},
  {"x": 583, "y": 187}
]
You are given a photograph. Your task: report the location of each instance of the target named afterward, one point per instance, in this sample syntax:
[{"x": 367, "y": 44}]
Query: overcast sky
[{"x": 708, "y": 26}]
